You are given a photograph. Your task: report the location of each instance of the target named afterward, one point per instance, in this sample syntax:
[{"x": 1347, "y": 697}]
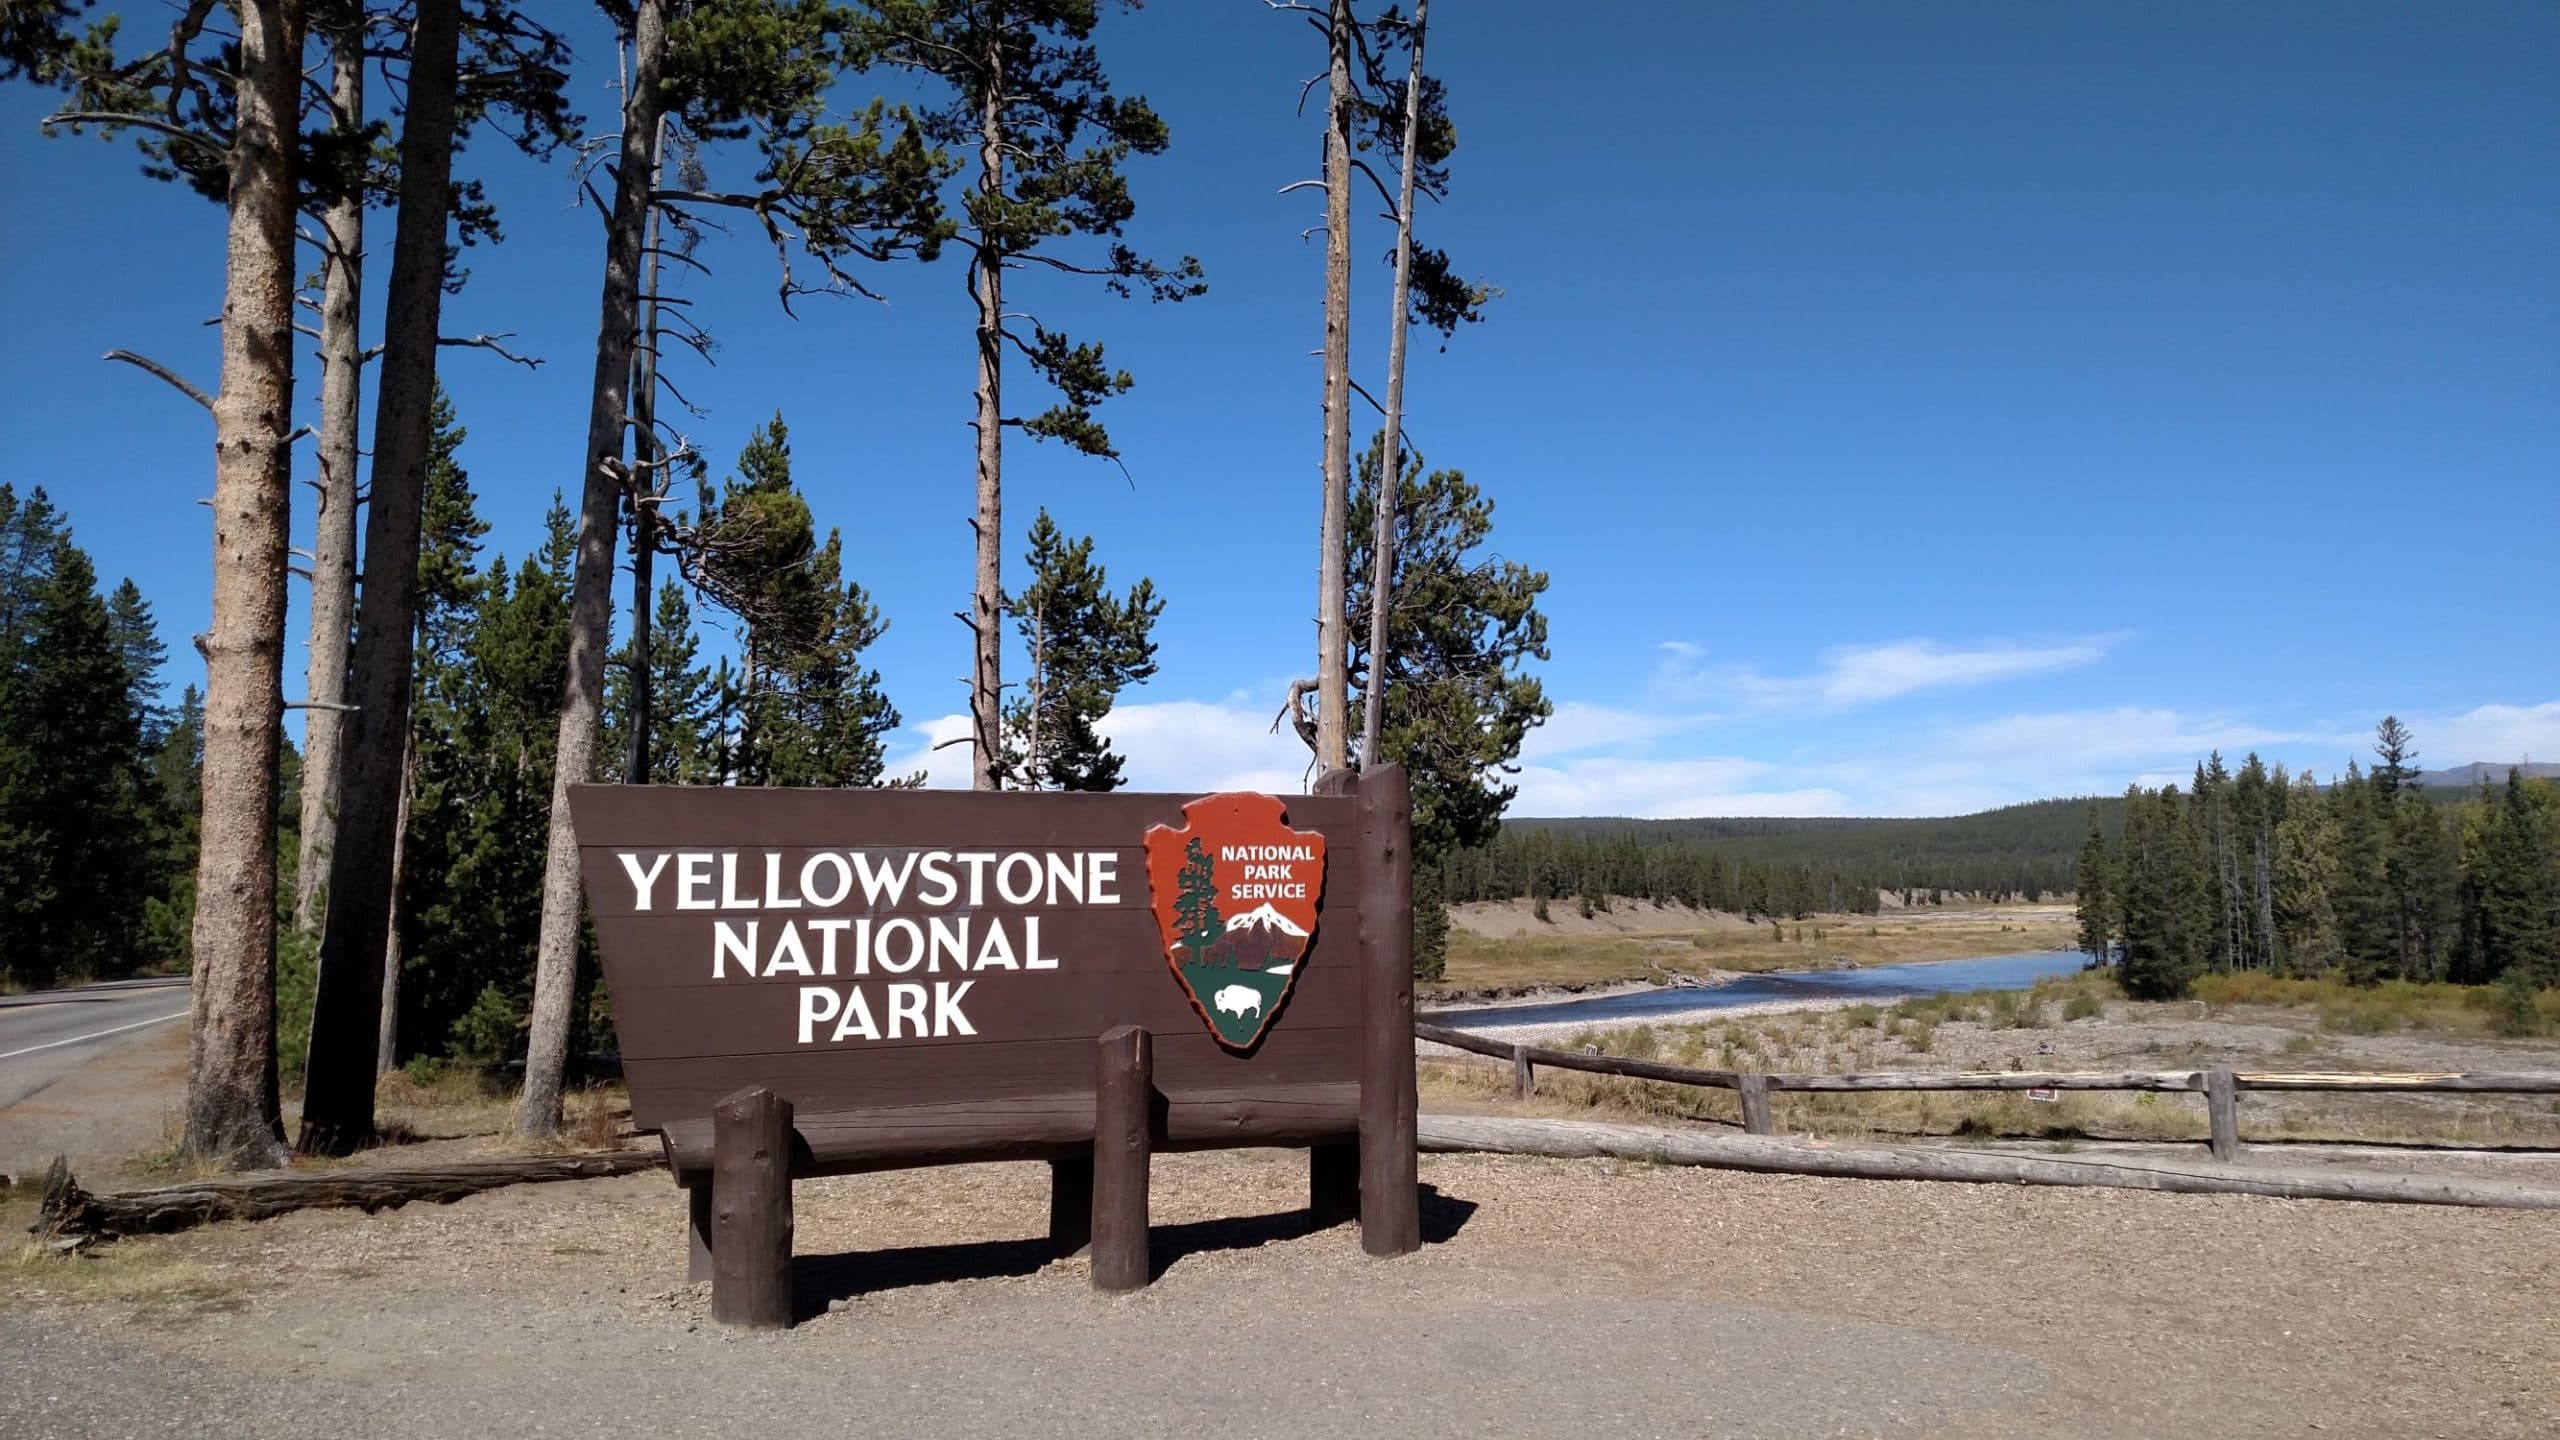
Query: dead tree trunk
[
  {"x": 232, "y": 1112},
  {"x": 591, "y": 585},
  {"x": 1382, "y": 557},
  {"x": 648, "y": 483},
  {"x": 333, "y": 540},
  {"x": 386, "y": 1054},
  {"x": 346, "y": 1008},
  {"x": 1333, "y": 657},
  {"x": 986, "y": 608}
]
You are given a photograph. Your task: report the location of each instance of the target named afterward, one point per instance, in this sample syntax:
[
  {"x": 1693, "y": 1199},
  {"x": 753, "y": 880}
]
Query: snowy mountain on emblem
[{"x": 1263, "y": 917}]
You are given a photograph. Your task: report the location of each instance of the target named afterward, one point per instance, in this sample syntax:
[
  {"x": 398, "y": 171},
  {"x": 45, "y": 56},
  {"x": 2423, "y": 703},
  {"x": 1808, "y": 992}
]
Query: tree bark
[
  {"x": 346, "y": 1007},
  {"x": 986, "y": 609},
  {"x": 1382, "y": 546},
  {"x": 1333, "y": 658},
  {"x": 232, "y": 1111},
  {"x": 648, "y": 480},
  {"x": 591, "y": 586},
  {"x": 386, "y": 1055},
  {"x": 333, "y": 541}
]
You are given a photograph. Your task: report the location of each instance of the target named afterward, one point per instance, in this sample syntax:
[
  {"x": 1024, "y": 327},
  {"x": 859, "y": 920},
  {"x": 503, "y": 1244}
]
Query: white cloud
[
  {"x": 1177, "y": 745},
  {"x": 1662, "y": 789},
  {"x": 2499, "y": 734},
  {"x": 1598, "y": 760},
  {"x": 1850, "y": 676},
  {"x": 1578, "y": 725}
]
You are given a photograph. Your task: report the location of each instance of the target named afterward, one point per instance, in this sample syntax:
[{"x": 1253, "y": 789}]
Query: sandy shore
[{"x": 1557, "y": 1030}]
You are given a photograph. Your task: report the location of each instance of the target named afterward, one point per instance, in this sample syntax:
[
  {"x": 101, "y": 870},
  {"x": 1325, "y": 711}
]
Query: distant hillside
[
  {"x": 2479, "y": 772},
  {"x": 2027, "y": 847},
  {"x": 1764, "y": 865}
]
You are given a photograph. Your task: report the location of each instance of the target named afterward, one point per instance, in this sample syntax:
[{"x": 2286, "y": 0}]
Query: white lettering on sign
[{"x": 750, "y": 941}]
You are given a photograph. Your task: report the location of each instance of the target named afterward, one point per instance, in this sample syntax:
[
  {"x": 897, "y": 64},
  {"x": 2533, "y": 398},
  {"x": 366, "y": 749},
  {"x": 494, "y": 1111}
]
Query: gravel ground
[{"x": 1555, "y": 1298}]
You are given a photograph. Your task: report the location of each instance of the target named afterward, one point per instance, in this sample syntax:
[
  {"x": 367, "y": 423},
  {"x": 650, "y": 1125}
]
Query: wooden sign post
[{"x": 917, "y": 978}]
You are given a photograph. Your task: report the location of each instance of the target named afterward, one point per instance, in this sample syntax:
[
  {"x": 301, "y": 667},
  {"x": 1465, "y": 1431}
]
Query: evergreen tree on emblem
[{"x": 1195, "y": 904}]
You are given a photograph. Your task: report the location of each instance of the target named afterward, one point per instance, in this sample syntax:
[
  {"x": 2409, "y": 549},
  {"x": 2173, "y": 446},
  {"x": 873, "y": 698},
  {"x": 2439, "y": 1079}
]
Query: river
[{"x": 1870, "y": 982}]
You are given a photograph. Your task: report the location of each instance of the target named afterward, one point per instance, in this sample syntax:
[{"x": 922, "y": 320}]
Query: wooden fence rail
[{"x": 2220, "y": 1087}]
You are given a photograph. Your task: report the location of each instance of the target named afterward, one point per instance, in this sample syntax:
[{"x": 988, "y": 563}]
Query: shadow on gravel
[{"x": 819, "y": 1279}]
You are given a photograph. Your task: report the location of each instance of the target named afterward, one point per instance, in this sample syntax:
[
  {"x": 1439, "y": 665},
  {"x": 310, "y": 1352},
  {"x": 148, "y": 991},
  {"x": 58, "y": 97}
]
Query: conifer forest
[{"x": 355, "y": 837}]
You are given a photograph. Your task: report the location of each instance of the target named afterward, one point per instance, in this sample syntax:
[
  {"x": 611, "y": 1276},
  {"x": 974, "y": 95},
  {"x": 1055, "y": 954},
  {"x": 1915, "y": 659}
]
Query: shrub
[
  {"x": 2083, "y": 1007},
  {"x": 2519, "y": 1008}
]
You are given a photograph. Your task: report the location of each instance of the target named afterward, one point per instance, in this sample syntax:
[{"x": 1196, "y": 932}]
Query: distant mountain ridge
[
  {"x": 2479, "y": 772},
  {"x": 2024, "y": 848}
]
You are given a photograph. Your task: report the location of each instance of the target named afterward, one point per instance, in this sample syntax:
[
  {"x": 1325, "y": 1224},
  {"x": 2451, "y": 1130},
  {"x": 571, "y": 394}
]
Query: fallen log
[
  {"x": 68, "y": 1211},
  {"x": 1583, "y": 1139}
]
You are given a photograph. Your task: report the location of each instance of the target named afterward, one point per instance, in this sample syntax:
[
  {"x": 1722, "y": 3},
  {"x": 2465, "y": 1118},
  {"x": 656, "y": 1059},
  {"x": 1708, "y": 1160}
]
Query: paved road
[{"x": 80, "y": 1064}]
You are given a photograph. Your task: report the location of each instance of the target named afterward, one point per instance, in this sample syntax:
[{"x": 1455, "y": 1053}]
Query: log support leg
[
  {"x": 1333, "y": 1182},
  {"x": 1071, "y": 1205},
  {"x": 751, "y": 1210},
  {"x": 1524, "y": 1076},
  {"x": 1754, "y": 1090},
  {"x": 1390, "y": 1187},
  {"x": 697, "y": 1232},
  {"x": 2222, "y": 1108},
  {"x": 1123, "y": 1150}
]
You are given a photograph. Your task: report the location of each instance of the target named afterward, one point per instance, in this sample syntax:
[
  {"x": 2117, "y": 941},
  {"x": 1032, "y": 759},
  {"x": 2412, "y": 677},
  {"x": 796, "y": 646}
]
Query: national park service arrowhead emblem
[{"x": 1235, "y": 894}]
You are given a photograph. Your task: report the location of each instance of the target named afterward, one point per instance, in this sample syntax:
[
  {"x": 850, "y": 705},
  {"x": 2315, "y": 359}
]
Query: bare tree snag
[
  {"x": 1333, "y": 646},
  {"x": 232, "y": 1113},
  {"x": 333, "y": 541},
  {"x": 986, "y": 606},
  {"x": 1382, "y": 559},
  {"x": 591, "y": 583},
  {"x": 648, "y": 486},
  {"x": 386, "y": 1054},
  {"x": 346, "y": 1010}
]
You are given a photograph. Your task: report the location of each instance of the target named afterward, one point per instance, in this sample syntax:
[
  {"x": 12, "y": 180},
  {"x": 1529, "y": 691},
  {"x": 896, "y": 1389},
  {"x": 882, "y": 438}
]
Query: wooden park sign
[{"x": 815, "y": 982}]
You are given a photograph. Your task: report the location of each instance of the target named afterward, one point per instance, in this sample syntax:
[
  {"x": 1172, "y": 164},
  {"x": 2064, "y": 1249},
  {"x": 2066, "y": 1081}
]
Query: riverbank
[
  {"x": 2079, "y": 1022},
  {"x": 1502, "y": 950}
]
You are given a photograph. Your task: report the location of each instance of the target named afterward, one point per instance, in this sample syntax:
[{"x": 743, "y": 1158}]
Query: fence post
[
  {"x": 1754, "y": 1089},
  {"x": 1333, "y": 1181},
  {"x": 1123, "y": 1147},
  {"x": 2222, "y": 1108},
  {"x": 1390, "y": 1199},
  {"x": 751, "y": 1210},
  {"x": 697, "y": 1232},
  {"x": 1524, "y": 1076},
  {"x": 1071, "y": 1204}
]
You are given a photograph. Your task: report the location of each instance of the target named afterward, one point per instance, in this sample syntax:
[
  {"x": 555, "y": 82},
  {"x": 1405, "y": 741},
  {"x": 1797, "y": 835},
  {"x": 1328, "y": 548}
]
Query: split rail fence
[{"x": 2221, "y": 1088}]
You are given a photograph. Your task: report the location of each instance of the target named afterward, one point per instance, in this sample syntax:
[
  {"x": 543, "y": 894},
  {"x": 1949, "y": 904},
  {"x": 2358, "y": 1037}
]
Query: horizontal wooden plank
[
  {"x": 2508, "y": 1082},
  {"x": 758, "y": 882},
  {"x": 654, "y": 951},
  {"x": 748, "y": 1017},
  {"x": 666, "y": 817},
  {"x": 2157, "y": 1080},
  {"x": 1036, "y": 1126},
  {"x": 668, "y": 1091}
]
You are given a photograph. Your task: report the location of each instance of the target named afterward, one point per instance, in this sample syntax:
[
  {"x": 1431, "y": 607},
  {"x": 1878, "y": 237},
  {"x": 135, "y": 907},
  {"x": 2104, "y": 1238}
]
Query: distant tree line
[
  {"x": 1763, "y": 866},
  {"x": 2370, "y": 878},
  {"x": 97, "y": 776}
]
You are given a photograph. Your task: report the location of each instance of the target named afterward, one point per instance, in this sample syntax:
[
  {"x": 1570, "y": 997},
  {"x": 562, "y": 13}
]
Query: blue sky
[{"x": 1918, "y": 408}]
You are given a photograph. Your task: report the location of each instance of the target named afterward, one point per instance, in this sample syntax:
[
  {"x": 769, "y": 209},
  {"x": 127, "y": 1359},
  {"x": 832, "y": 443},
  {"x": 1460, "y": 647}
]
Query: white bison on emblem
[{"x": 1238, "y": 1000}]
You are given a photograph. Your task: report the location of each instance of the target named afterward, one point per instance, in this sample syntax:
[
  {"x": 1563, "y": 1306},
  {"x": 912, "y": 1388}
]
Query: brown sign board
[{"x": 923, "y": 975}]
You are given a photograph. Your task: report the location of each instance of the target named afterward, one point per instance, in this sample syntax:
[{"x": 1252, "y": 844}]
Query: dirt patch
[{"x": 1669, "y": 1300}]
